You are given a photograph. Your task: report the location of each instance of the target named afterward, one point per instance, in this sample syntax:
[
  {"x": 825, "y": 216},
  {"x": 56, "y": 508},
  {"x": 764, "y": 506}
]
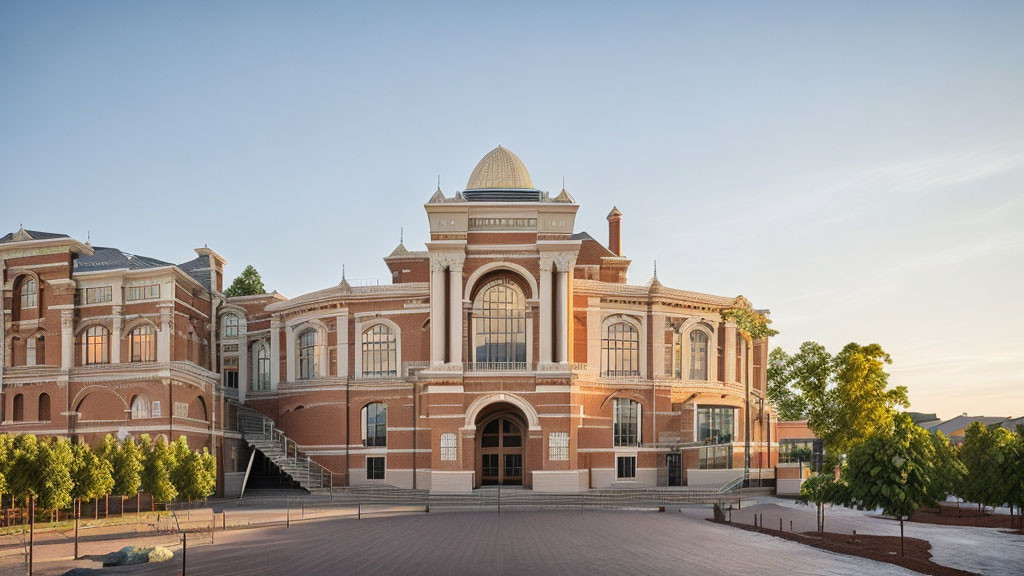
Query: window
[
  {"x": 558, "y": 446},
  {"x": 230, "y": 379},
  {"x": 231, "y": 326},
  {"x": 449, "y": 447},
  {"x": 715, "y": 425},
  {"x": 261, "y": 368},
  {"x": 625, "y": 467},
  {"x": 139, "y": 408},
  {"x": 143, "y": 344},
  {"x": 19, "y": 408},
  {"x": 380, "y": 352},
  {"x": 499, "y": 316},
  {"x": 375, "y": 424},
  {"x": 181, "y": 409},
  {"x": 149, "y": 292},
  {"x": 620, "y": 350},
  {"x": 309, "y": 353},
  {"x": 626, "y": 427},
  {"x": 155, "y": 409},
  {"x": 698, "y": 355},
  {"x": 375, "y": 468},
  {"x": 28, "y": 293},
  {"x": 98, "y": 295},
  {"x": 94, "y": 345},
  {"x": 30, "y": 352},
  {"x": 44, "y": 407}
]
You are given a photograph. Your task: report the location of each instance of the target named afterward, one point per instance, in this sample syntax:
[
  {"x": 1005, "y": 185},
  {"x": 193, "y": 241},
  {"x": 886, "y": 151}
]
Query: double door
[{"x": 501, "y": 453}]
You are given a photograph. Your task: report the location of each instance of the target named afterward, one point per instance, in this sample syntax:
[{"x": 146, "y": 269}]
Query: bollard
[
  {"x": 288, "y": 515},
  {"x": 760, "y": 520},
  {"x": 224, "y": 520},
  {"x": 780, "y": 524},
  {"x": 359, "y": 511},
  {"x": 790, "y": 525}
]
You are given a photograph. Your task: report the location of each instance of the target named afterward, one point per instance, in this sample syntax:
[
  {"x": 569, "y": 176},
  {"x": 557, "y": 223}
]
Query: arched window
[
  {"x": 261, "y": 366},
  {"x": 499, "y": 319},
  {"x": 95, "y": 345},
  {"x": 140, "y": 408},
  {"x": 230, "y": 326},
  {"x": 698, "y": 355},
  {"x": 143, "y": 344},
  {"x": 380, "y": 352},
  {"x": 620, "y": 350},
  {"x": 28, "y": 293},
  {"x": 309, "y": 354},
  {"x": 375, "y": 424},
  {"x": 44, "y": 407},
  {"x": 626, "y": 425},
  {"x": 18, "y": 413}
]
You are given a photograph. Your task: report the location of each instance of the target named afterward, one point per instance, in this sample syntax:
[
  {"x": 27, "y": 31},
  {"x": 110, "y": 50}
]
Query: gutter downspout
[{"x": 415, "y": 418}]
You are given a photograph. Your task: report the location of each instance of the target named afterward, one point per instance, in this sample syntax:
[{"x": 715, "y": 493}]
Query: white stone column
[
  {"x": 455, "y": 312},
  {"x": 163, "y": 336},
  {"x": 658, "y": 345},
  {"x": 359, "y": 352},
  {"x": 343, "y": 345},
  {"x": 562, "y": 320},
  {"x": 115, "y": 336},
  {"x": 729, "y": 350},
  {"x": 437, "y": 334},
  {"x": 243, "y": 362},
  {"x": 67, "y": 339},
  {"x": 544, "y": 336},
  {"x": 289, "y": 353},
  {"x": 275, "y": 353}
]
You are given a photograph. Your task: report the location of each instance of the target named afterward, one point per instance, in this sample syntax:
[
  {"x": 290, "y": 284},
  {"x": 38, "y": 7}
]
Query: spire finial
[
  {"x": 563, "y": 182},
  {"x": 88, "y": 236},
  {"x": 342, "y": 272},
  {"x": 655, "y": 268},
  {"x": 438, "y": 182},
  {"x": 401, "y": 235}
]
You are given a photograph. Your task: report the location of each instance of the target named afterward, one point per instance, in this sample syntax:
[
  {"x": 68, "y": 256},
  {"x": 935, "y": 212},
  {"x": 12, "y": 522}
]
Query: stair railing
[{"x": 317, "y": 476}]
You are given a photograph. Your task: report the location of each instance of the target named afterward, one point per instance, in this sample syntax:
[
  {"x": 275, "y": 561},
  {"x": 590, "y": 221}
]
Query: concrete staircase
[{"x": 260, "y": 433}]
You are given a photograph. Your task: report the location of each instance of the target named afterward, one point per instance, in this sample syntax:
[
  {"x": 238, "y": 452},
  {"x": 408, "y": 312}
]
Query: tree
[
  {"x": 1015, "y": 479},
  {"x": 986, "y": 453},
  {"x": 950, "y": 472},
  {"x": 208, "y": 483},
  {"x": 248, "y": 283},
  {"x": 157, "y": 465},
  {"x": 892, "y": 469},
  {"x": 821, "y": 489},
  {"x": 23, "y": 475},
  {"x": 126, "y": 460},
  {"x": 6, "y": 454},
  {"x": 54, "y": 464},
  {"x": 781, "y": 387},
  {"x": 93, "y": 476}
]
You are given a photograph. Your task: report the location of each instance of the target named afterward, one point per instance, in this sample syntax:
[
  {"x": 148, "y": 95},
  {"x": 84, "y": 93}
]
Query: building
[
  {"x": 956, "y": 428},
  {"x": 511, "y": 351}
]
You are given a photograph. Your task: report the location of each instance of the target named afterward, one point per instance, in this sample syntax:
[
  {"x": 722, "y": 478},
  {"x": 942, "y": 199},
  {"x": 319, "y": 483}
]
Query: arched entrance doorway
[{"x": 501, "y": 447}]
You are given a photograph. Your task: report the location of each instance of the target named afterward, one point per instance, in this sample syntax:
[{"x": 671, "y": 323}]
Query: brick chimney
[{"x": 615, "y": 231}]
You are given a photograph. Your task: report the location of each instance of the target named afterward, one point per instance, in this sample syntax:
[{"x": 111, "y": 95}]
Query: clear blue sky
[{"x": 858, "y": 169}]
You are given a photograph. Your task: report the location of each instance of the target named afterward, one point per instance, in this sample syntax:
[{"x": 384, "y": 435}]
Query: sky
[{"x": 856, "y": 168}]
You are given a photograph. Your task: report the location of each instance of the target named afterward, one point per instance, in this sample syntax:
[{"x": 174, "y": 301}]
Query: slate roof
[
  {"x": 963, "y": 421},
  {"x": 33, "y": 235},
  {"x": 199, "y": 270},
  {"x": 586, "y": 236},
  {"x": 114, "y": 259}
]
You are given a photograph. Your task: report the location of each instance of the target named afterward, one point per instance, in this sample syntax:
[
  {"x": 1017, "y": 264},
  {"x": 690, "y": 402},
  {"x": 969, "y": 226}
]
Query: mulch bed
[
  {"x": 947, "y": 514},
  {"x": 881, "y": 548}
]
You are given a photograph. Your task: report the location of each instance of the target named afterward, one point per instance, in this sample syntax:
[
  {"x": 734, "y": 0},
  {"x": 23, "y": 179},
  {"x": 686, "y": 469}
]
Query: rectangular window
[
  {"x": 626, "y": 422},
  {"x": 449, "y": 447},
  {"x": 98, "y": 295},
  {"x": 156, "y": 409},
  {"x": 149, "y": 292},
  {"x": 231, "y": 379},
  {"x": 375, "y": 468},
  {"x": 558, "y": 446},
  {"x": 625, "y": 467},
  {"x": 715, "y": 425},
  {"x": 181, "y": 409}
]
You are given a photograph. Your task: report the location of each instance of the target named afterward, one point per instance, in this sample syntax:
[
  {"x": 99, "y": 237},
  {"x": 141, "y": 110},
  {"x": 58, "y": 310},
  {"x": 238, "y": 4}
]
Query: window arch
[
  {"x": 499, "y": 325},
  {"x": 698, "y": 355},
  {"x": 620, "y": 350},
  {"x": 44, "y": 407},
  {"x": 626, "y": 422},
  {"x": 375, "y": 424},
  {"x": 95, "y": 345},
  {"x": 230, "y": 326},
  {"x": 18, "y": 411},
  {"x": 27, "y": 292},
  {"x": 309, "y": 354},
  {"x": 142, "y": 341},
  {"x": 261, "y": 366},
  {"x": 380, "y": 351},
  {"x": 140, "y": 408}
]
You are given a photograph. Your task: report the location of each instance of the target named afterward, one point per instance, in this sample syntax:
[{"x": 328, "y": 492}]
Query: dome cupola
[{"x": 500, "y": 176}]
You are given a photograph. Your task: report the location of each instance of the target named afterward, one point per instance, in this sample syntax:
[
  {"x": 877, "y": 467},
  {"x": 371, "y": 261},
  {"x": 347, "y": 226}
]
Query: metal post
[
  {"x": 31, "y": 530},
  {"x": 224, "y": 519},
  {"x": 288, "y": 514},
  {"x": 78, "y": 512},
  {"x": 184, "y": 550},
  {"x": 359, "y": 511}
]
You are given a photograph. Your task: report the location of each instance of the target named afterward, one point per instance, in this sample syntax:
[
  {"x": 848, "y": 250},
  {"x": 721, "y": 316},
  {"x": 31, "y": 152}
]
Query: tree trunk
[
  {"x": 96, "y": 509},
  {"x": 106, "y": 506},
  {"x": 122, "y": 506},
  {"x": 901, "y": 536}
]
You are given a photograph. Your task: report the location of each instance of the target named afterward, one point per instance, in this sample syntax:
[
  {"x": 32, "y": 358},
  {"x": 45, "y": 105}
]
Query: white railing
[
  {"x": 251, "y": 423},
  {"x": 495, "y": 366}
]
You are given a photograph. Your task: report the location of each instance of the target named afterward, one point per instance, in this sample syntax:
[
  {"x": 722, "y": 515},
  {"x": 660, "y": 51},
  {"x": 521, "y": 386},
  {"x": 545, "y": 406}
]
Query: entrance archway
[{"x": 501, "y": 438}]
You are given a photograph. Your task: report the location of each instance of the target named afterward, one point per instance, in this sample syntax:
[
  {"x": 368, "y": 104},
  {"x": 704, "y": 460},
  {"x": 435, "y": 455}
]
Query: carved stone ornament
[
  {"x": 441, "y": 260},
  {"x": 561, "y": 261}
]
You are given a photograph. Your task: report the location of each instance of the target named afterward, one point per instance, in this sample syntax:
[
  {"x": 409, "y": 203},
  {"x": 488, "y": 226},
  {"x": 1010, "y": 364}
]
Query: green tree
[
  {"x": 126, "y": 461},
  {"x": 6, "y": 454},
  {"x": 821, "y": 489},
  {"x": 181, "y": 475},
  {"x": 23, "y": 473},
  {"x": 986, "y": 453},
  {"x": 194, "y": 479},
  {"x": 208, "y": 482},
  {"x": 157, "y": 466},
  {"x": 55, "y": 462},
  {"x": 1015, "y": 478},
  {"x": 950, "y": 472},
  {"x": 248, "y": 283},
  {"x": 892, "y": 469},
  {"x": 93, "y": 476},
  {"x": 782, "y": 392}
]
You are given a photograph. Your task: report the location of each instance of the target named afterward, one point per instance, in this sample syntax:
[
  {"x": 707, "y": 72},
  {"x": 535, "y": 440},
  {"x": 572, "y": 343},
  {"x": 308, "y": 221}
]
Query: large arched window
[
  {"x": 230, "y": 326},
  {"x": 143, "y": 344},
  {"x": 261, "y": 366},
  {"x": 620, "y": 350},
  {"x": 95, "y": 346},
  {"x": 698, "y": 355},
  {"x": 626, "y": 422},
  {"x": 380, "y": 352},
  {"x": 309, "y": 354},
  {"x": 18, "y": 412},
  {"x": 140, "y": 408},
  {"x": 375, "y": 424},
  {"x": 28, "y": 293},
  {"x": 499, "y": 320},
  {"x": 44, "y": 407}
]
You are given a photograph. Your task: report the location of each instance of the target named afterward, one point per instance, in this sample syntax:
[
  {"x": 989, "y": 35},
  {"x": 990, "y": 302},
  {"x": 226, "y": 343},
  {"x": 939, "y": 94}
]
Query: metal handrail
[{"x": 271, "y": 433}]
